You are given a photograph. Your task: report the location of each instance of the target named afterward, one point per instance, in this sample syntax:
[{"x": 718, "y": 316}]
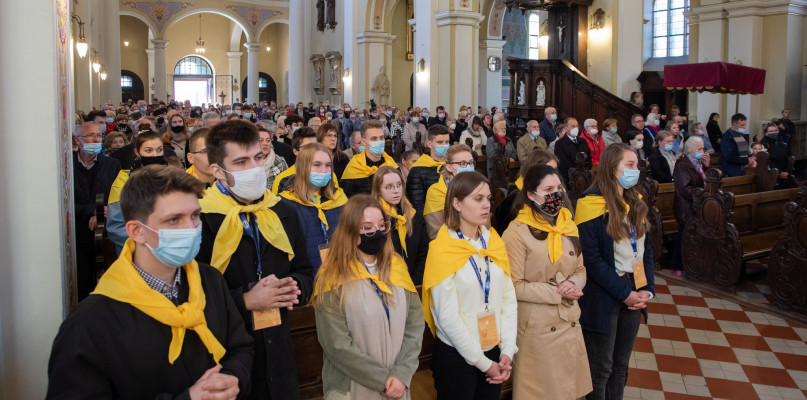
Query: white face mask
[
  {"x": 453, "y": 126},
  {"x": 249, "y": 184},
  {"x": 639, "y": 145},
  {"x": 573, "y": 132},
  {"x": 740, "y": 130}
]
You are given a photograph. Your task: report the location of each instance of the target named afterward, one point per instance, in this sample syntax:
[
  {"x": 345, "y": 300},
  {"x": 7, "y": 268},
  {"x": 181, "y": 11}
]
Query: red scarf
[{"x": 502, "y": 139}]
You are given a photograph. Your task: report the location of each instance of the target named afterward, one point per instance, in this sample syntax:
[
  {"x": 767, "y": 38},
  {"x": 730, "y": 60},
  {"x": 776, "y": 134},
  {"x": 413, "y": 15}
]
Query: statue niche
[{"x": 381, "y": 87}]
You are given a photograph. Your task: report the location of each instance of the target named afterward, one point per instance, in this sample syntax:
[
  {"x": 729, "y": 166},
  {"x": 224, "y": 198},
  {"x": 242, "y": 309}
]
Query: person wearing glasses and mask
[
  {"x": 546, "y": 264},
  {"x": 258, "y": 245},
  {"x": 93, "y": 173},
  {"x": 468, "y": 297},
  {"x": 368, "y": 314},
  {"x": 327, "y": 134},
  {"x": 459, "y": 158},
  {"x": 408, "y": 230}
]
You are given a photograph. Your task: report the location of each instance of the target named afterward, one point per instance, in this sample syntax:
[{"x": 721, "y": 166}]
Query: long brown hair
[
  {"x": 406, "y": 206},
  {"x": 461, "y": 187},
  {"x": 536, "y": 157},
  {"x": 302, "y": 186},
  {"x": 608, "y": 183},
  {"x": 337, "y": 268}
]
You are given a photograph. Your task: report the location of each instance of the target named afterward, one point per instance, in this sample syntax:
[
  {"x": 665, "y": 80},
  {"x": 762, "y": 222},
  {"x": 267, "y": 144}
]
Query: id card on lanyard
[
  {"x": 323, "y": 247},
  {"x": 639, "y": 277},
  {"x": 485, "y": 320}
]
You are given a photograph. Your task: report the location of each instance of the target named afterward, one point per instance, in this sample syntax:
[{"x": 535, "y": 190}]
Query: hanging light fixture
[
  {"x": 103, "y": 75},
  {"x": 268, "y": 48},
  {"x": 81, "y": 44},
  {"x": 200, "y": 44},
  {"x": 96, "y": 65},
  {"x": 125, "y": 33}
]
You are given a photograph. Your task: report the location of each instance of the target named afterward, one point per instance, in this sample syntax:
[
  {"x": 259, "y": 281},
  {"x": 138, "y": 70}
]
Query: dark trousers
[
  {"x": 609, "y": 353},
  {"x": 454, "y": 378},
  {"x": 678, "y": 261}
]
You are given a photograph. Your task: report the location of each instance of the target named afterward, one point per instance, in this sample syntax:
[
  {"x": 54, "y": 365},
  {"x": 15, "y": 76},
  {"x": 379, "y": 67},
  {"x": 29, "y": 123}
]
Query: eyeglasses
[
  {"x": 464, "y": 164},
  {"x": 203, "y": 151},
  {"x": 370, "y": 230},
  {"x": 96, "y": 136},
  {"x": 396, "y": 186}
]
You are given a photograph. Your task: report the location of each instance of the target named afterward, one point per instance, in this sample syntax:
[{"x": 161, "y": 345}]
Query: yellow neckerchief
[
  {"x": 400, "y": 222},
  {"x": 520, "y": 182},
  {"x": 192, "y": 172},
  {"x": 117, "y": 185},
  {"x": 399, "y": 276},
  {"x": 564, "y": 226},
  {"x": 121, "y": 282},
  {"x": 436, "y": 197},
  {"x": 448, "y": 255},
  {"x": 339, "y": 199},
  {"x": 357, "y": 167},
  {"x": 426, "y": 161},
  {"x": 231, "y": 230},
  {"x": 291, "y": 171},
  {"x": 592, "y": 206}
]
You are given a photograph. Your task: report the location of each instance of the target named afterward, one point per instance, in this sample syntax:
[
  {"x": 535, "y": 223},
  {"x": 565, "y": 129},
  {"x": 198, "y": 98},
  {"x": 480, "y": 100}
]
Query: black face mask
[
  {"x": 177, "y": 129},
  {"x": 160, "y": 121},
  {"x": 373, "y": 245},
  {"x": 153, "y": 160}
]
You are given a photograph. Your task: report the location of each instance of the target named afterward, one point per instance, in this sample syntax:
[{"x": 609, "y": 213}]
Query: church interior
[{"x": 733, "y": 326}]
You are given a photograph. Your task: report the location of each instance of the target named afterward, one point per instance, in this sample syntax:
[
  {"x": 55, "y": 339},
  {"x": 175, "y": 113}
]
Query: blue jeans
[{"x": 609, "y": 353}]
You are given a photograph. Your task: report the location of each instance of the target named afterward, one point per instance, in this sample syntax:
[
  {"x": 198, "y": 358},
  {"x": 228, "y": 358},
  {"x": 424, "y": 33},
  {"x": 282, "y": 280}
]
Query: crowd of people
[{"x": 225, "y": 218}]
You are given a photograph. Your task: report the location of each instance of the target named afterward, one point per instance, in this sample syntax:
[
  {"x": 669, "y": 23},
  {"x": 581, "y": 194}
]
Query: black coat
[
  {"x": 418, "y": 182},
  {"x": 687, "y": 179},
  {"x": 659, "y": 168},
  {"x": 86, "y": 184},
  {"x": 417, "y": 247},
  {"x": 777, "y": 150},
  {"x": 458, "y": 130},
  {"x": 715, "y": 134},
  {"x": 566, "y": 151},
  {"x": 274, "y": 374},
  {"x": 360, "y": 185},
  {"x": 108, "y": 349},
  {"x": 285, "y": 151}
]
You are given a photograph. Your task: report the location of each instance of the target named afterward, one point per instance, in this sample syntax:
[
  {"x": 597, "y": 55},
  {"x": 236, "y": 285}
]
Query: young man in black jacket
[
  {"x": 158, "y": 323},
  {"x": 257, "y": 243},
  {"x": 426, "y": 170},
  {"x": 359, "y": 172}
]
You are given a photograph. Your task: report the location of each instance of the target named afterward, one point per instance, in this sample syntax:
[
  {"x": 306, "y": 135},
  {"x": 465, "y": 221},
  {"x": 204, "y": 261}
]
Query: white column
[
  {"x": 296, "y": 51},
  {"x": 252, "y": 72},
  {"x": 490, "y": 85},
  {"x": 151, "y": 79},
  {"x": 711, "y": 48},
  {"x": 426, "y": 48},
  {"x": 628, "y": 24},
  {"x": 745, "y": 46},
  {"x": 372, "y": 50},
  {"x": 160, "y": 88},
  {"x": 110, "y": 88},
  {"x": 37, "y": 206},
  {"x": 458, "y": 38},
  {"x": 234, "y": 61},
  {"x": 348, "y": 92}
]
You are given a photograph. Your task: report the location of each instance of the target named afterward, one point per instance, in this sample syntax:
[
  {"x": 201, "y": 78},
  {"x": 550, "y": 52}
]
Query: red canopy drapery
[{"x": 715, "y": 77}]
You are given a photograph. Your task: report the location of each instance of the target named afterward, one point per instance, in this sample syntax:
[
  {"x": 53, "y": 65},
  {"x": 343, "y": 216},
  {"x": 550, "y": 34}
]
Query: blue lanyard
[
  {"x": 248, "y": 230},
  {"x": 322, "y": 224},
  {"x": 633, "y": 239},
  {"x": 378, "y": 292},
  {"x": 486, "y": 285}
]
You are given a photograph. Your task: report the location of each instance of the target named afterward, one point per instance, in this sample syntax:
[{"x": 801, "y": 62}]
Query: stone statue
[
  {"x": 317, "y": 76},
  {"x": 522, "y": 98},
  {"x": 320, "y": 15},
  {"x": 541, "y": 95},
  {"x": 333, "y": 75},
  {"x": 381, "y": 86},
  {"x": 330, "y": 19}
]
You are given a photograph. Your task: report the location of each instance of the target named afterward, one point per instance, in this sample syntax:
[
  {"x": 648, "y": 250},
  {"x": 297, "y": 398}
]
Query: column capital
[
  {"x": 150, "y": 52},
  {"x": 374, "y": 37},
  {"x": 413, "y": 23},
  {"x": 458, "y": 17},
  {"x": 493, "y": 44},
  {"x": 234, "y": 54},
  {"x": 159, "y": 44},
  {"x": 252, "y": 47},
  {"x": 746, "y": 8}
]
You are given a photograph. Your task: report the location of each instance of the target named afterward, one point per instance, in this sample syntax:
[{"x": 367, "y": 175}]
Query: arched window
[
  {"x": 193, "y": 65},
  {"x": 262, "y": 83},
  {"x": 126, "y": 81},
  {"x": 534, "y": 29},
  {"x": 670, "y": 30}
]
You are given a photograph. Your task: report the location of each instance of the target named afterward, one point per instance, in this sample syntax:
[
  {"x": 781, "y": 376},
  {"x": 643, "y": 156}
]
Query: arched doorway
[
  {"x": 267, "y": 89},
  {"x": 193, "y": 80},
  {"x": 131, "y": 86}
]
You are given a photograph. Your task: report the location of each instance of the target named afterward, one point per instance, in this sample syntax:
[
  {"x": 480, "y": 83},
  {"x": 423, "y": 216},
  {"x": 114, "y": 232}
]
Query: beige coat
[{"x": 551, "y": 362}]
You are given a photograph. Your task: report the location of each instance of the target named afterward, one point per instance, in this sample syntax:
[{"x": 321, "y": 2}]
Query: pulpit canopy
[{"x": 715, "y": 77}]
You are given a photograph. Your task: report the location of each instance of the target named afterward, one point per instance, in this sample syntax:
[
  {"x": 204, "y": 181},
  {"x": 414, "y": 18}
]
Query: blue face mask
[
  {"x": 143, "y": 110},
  {"x": 377, "y": 147},
  {"x": 361, "y": 149},
  {"x": 110, "y": 120},
  {"x": 92, "y": 149},
  {"x": 535, "y": 134},
  {"x": 613, "y": 130},
  {"x": 177, "y": 246},
  {"x": 553, "y": 117},
  {"x": 440, "y": 150},
  {"x": 698, "y": 155},
  {"x": 668, "y": 147},
  {"x": 467, "y": 168},
  {"x": 319, "y": 179},
  {"x": 294, "y": 128},
  {"x": 629, "y": 179},
  {"x": 247, "y": 115},
  {"x": 237, "y": 112}
]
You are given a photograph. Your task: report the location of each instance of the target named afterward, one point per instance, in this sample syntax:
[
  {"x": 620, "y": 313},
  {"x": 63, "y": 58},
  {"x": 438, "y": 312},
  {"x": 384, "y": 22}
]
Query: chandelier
[{"x": 200, "y": 44}]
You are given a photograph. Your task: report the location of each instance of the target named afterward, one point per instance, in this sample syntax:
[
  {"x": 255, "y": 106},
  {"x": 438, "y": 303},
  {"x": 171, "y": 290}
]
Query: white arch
[
  {"x": 149, "y": 24},
  {"x": 235, "y": 38},
  {"x": 195, "y": 11},
  {"x": 209, "y": 63},
  {"x": 266, "y": 25}
]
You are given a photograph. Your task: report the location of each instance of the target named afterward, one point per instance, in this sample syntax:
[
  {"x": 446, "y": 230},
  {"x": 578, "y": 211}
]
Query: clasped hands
[
  {"x": 499, "y": 372},
  {"x": 271, "y": 292},
  {"x": 637, "y": 300}
]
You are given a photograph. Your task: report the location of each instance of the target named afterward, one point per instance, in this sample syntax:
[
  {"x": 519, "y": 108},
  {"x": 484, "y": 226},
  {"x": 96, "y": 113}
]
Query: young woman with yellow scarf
[{"x": 459, "y": 158}]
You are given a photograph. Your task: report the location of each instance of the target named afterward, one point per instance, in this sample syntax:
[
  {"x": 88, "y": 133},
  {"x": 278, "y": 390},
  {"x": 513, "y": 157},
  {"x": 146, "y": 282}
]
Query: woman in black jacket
[
  {"x": 713, "y": 129},
  {"x": 662, "y": 161},
  {"x": 408, "y": 231}
]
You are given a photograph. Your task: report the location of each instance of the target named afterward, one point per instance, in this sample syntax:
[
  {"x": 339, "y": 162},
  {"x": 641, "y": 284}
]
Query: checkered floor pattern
[{"x": 698, "y": 346}]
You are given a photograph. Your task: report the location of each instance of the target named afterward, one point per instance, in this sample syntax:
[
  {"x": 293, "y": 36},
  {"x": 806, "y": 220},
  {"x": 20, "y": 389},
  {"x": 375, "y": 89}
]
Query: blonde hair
[
  {"x": 302, "y": 186},
  {"x": 406, "y": 206}
]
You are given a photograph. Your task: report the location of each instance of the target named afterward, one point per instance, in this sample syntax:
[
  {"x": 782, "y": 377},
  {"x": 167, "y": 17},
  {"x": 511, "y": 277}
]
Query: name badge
[
  {"x": 488, "y": 334},
  {"x": 323, "y": 251},
  {"x": 639, "y": 278},
  {"x": 265, "y": 319}
]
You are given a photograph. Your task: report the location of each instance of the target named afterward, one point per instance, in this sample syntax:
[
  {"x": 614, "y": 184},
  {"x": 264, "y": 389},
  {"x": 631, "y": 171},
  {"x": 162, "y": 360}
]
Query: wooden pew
[
  {"x": 787, "y": 275},
  {"x": 648, "y": 187},
  {"x": 580, "y": 178}
]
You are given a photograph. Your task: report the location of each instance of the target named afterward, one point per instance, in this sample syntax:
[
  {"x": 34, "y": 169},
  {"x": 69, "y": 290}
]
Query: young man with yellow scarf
[
  {"x": 358, "y": 175},
  {"x": 425, "y": 172},
  {"x": 257, "y": 243},
  {"x": 159, "y": 324}
]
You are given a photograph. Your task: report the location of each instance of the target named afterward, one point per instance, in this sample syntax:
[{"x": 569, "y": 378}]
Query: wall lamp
[
  {"x": 81, "y": 44},
  {"x": 598, "y": 20}
]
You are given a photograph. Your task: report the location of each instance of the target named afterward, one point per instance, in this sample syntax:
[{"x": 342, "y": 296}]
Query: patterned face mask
[{"x": 553, "y": 202}]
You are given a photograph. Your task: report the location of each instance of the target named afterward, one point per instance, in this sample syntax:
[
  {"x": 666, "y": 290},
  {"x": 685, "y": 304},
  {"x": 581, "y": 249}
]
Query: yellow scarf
[
  {"x": 564, "y": 226},
  {"x": 520, "y": 183},
  {"x": 357, "y": 167},
  {"x": 192, "y": 171},
  {"x": 399, "y": 276},
  {"x": 400, "y": 222},
  {"x": 592, "y": 206},
  {"x": 427, "y": 161},
  {"x": 449, "y": 255},
  {"x": 339, "y": 199},
  {"x": 231, "y": 230},
  {"x": 121, "y": 282},
  {"x": 436, "y": 197},
  {"x": 291, "y": 171},
  {"x": 117, "y": 186}
]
